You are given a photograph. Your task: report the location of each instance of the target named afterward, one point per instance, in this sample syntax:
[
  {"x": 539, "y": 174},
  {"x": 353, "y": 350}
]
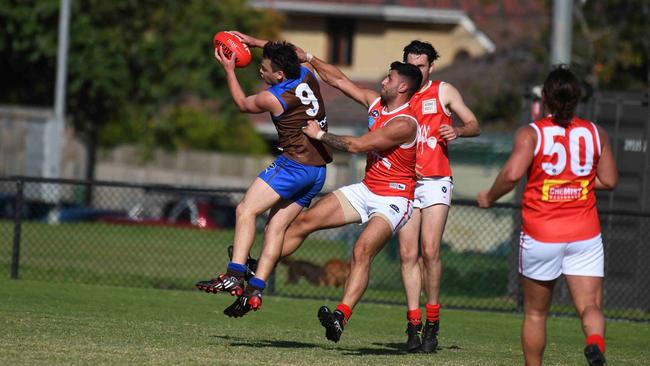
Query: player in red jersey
[
  {"x": 384, "y": 198},
  {"x": 565, "y": 159},
  {"x": 434, "y": 104}
]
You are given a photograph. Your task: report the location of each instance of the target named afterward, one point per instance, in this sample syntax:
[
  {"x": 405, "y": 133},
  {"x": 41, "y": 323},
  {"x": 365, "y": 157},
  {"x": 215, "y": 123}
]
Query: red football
[{"x": 229, "y": 43}]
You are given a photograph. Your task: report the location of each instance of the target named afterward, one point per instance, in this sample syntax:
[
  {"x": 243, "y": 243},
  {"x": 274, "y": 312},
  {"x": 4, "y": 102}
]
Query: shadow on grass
[
  {"x": 244, "y": 342},
  {"x": 384, "y": 351},
  {"x": 389, "y": 349},
  {"x": 381, "y": 349}
]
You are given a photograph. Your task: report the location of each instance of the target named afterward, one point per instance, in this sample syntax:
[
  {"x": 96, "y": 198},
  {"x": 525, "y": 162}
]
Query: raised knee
[
  {"x": 305, "y": 222},
  {"x": 361, "y": 255},
  {"x": 242, "y": 209},
  {"x": 297, "y": 226}
]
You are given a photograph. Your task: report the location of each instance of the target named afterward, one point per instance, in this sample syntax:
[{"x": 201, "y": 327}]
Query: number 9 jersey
[
  {"x": 559, "y": 204},
  {"x": 301, "y": 100}
]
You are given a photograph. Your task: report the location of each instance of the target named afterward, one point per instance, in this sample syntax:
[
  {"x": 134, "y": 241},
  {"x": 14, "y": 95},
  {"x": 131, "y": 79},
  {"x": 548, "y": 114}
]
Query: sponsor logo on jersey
[
  {"x": 394, "y": 207},
  {"x": 371, "y": 117},
  {"x": 444, "y": 189},
  {"x": 425, "y": 140},
  {"x": 429, "y": 106},
  {"x": 559, "y": 190},
  {"x": 398, "y": 186}
]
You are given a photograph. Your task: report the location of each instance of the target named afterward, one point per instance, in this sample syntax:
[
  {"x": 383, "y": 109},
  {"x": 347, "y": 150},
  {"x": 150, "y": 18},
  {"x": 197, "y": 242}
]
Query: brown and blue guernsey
[{"x": 302, "y": 101}]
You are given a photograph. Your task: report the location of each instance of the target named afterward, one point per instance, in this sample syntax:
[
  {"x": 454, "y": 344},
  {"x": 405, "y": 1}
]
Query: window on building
[
  {"x": 341, "y": 34},
  {"x": 462, "y": 55}
]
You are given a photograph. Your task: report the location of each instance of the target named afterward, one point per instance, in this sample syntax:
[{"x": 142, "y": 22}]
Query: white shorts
[
  {"x": 433, "y": 191},
  {"x": 547, "y": 261},
  {"x": 394, "y": 209}
]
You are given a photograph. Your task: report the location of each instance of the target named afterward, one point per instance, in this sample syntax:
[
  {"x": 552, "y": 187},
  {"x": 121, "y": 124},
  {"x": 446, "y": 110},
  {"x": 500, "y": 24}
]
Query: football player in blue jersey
[{"x": 287, "y": 185}]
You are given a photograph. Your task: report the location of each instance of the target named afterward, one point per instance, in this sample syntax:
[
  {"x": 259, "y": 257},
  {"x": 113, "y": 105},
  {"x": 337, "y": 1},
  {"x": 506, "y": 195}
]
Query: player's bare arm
[
  {"x": 515, "y": 168},
  {"x": 304, "y": 58},
  {"x": 250, "y": 41},
  {"x": 469, "y": 124},
  {"x": 338, "y": 142},
  {"x": 334, "y": 77},
  {"x": 606, "y": 172},
  {"x": 257, "y": 103},
  {"x": 398, "y": 131}
]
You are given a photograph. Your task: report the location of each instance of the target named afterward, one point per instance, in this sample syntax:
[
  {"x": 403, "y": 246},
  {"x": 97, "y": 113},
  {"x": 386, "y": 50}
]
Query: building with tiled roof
[{"x": 362, "y": 37}]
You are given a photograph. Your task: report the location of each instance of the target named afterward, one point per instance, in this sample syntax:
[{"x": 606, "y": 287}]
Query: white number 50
[{"x": 575, "y": 137}]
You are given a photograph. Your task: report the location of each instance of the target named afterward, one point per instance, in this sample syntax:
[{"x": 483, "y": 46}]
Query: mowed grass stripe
[
  {"x": 53, "y": 323},
  {"x": 170, "y": 258}
]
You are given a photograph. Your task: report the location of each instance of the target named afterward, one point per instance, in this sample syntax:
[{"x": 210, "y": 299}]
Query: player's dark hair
[
  {"x": 283, "y": 58},
  {"x": 561, "y": 94},
  {"x": 411, "y": 73},
  {"x": 421, "y": 48}
]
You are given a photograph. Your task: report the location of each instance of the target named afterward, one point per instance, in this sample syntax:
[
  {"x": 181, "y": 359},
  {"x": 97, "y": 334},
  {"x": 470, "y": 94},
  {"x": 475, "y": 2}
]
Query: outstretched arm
[
  {"x": 399, "y": 131},
  {"x": 333, "y": 76},
  {"x": 249, "y": 40},
  {"x": 454, "y": 101},
  {"x": 515, "y": 168},
  {"x": 257, "y": 103}
]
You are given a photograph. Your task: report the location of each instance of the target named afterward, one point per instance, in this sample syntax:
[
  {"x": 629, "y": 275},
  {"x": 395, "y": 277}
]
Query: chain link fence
[{"x": 168, "y": 237}]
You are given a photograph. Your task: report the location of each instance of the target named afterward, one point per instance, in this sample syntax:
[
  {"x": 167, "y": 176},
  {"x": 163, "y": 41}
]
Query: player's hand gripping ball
[{"x": 231, "y": 44}]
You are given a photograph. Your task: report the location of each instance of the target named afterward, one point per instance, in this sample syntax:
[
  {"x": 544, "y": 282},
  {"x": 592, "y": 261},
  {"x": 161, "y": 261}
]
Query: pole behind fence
[
  {"x": 270, "y": 283},
  {"x": 18, "y": 213}
]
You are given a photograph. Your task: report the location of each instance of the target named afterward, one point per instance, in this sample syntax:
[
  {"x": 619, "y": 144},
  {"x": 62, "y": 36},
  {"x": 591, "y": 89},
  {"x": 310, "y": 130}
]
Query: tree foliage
[
  {"x": 612, "y": 43},
  {"x": 138, "y": 70}
]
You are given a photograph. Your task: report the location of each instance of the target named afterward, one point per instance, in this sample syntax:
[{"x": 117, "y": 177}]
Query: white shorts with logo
[
  {"x": 433, "y": 191},
  {"x": 396, "y": 210},
  {"x": 547, "y": 261}
]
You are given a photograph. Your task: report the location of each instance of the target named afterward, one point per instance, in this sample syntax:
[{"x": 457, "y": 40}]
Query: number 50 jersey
[
  {"x": 559, "y": 204},
  {"x": 302, "y": 101}
]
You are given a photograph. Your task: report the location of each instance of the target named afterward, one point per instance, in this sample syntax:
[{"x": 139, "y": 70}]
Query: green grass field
[
  {"x": 50, "y": 323},
  {"x": 170, "y": 258}
]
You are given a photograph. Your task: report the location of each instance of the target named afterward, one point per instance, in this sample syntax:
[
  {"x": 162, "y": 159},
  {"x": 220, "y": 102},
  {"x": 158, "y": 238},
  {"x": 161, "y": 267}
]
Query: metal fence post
[
  {"x": 270, "y": 283},
  {"x": 18, "y": 212}
]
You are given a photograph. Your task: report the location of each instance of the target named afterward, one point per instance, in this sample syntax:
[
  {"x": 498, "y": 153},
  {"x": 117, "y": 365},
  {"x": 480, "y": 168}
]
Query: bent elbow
[
  {"x": 355, "y": 147},
  {"x": 608, "y": 187},
  {"x": 242, "y": 108},
  {"x": 512, "y": 177},
  {"x": 608, "y": 180},
  {"x": 609, "y": 184}
]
